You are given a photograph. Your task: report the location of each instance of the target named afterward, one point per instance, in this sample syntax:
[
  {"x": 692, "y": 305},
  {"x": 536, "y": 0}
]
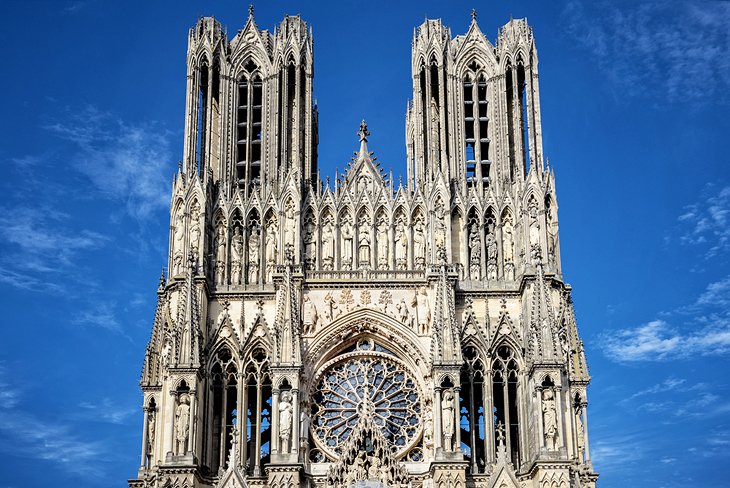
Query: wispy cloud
[
  {"x": 102, "y": 315},
  {"x": 39, "y": 244},
  {"x": 705, "y": 331},
  {"x": 673, "y": 50},
  {"x": 107, "y": 410},
  {"x": 706, "y": 223},
  {"x": 129, "y": 163},
  {"x": 32, "y": 437}
]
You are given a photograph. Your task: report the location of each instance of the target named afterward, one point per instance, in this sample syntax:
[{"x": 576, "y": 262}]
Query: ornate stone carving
[
  {"x": 285, "y": 421},
  {"x": 508, "y": 248},
  {"x": 404, "y": 314},
  {"x": 401, "y": 246},
  {"x": 310, "y": 246},
  {"x": 309, "y": 315},
  {"x": 447, "y": 419},
  {"x": 363, "y": 243},
  {"x": 331, "y": 310},
  {"x": 491, "y": 244},
  {"x": 419, "y": 245},
  {"x": 272, "y": 237},
  {"x": 254, "y": 244},
  {"x": 475, "y": 253},
  {"x": 382, "y": 242},
  {"x": 423, "y": 310},
  {"x": 182, "y": 425},
  {"x": 178, "y": 242},
  {"x": 328, "y": 246},
  {"x": 220, "y": 255},
  {"x": 347, "y": 238},
  {"x": 550, "y": 419}
]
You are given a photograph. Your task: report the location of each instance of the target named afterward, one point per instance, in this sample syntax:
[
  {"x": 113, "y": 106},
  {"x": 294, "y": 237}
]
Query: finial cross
[{"x": 363, "y": 132}]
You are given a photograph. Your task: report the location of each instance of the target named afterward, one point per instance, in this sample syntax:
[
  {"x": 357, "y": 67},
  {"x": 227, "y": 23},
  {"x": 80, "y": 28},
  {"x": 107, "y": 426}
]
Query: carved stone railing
[{"x": 365, "y": 274}]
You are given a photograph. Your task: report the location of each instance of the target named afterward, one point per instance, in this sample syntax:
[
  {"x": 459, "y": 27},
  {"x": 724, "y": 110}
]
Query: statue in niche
[
  {"x": 290, "y": 225},
  {"x": 195, "y": 228},
  {"x": 182, "y": 425},
  {"x": 364, "y": 184},
  {"x": 419, "y": 245},
  {"x": 330, "y": 308},
  {"x": 447, "y": 419},
  {"x": 428, "y": 427},
  {"x": 220, "y": 255},
  {"x": 363, "y": 243},
  {"x": 423, "y": 310},
  {"x": 309, "y": 315},
  {"x": 178, "y": 242},
  {"x": 271, "y": 248},
  {"x": 579, "y": 431},
  {"x": 236, "y": 256},
  {"x": 347, "y": 238},
  {"x": 435, "y": 140},
  {"x": 475, "y": 252},
  {"x": 439, "y": 226},
  {"x": 508, "y": 249},
  {"x": 150, "y": 432},
  {"x": 254, "y": 243},
  {"x": 382, "y": 244},
  {"x": 328, "y": 246},
  {"x": 534, "y": 232},
  {"x": 304, "y": 429},
  {"x": 491, "y": 254},
  {"x": 550, "y": 419},
  {"x": 310, "y": 246},
  {"x": 404, "y": 315},
  {"x": 285, "y": 420},
  {"x": 401, "y": 246}
]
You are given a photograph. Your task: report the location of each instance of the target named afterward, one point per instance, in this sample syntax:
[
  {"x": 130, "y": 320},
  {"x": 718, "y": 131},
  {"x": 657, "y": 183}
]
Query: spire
[
  {"x": 542, "y": 341},
  {"x": 250, "y": 10},
  {"x": 363, "y": 133},
  {"x": 473, "y": 15}
]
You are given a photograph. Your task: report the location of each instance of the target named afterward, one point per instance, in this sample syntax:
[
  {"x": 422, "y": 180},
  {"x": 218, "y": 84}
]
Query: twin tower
[{"x": 359, "y": 331}]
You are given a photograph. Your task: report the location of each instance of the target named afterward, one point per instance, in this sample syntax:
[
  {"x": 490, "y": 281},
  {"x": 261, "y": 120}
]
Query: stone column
[
  {"x": 585, "y": 431},
  {"x": 456, "y": 440},
  {"x": 145, "y": 429},
  {"x": 437, "y": 431},
  {"x": 275, "y": 440},
  {"x": 558, "y": 395},
  {"x": 295, "y": 422},
  {"x": 193, "y": 423},
  {"x": 241, "y": 419},
  {"x": 540, "y": 420},
  {"x": 170, "y": 423}
]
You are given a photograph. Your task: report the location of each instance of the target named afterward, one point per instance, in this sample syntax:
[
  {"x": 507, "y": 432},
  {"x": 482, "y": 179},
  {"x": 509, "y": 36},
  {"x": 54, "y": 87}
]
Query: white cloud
[
  {"x": 107, "y": 410},
  {"x": 673, "y": 50},
  {"x": 128, "y": 163},
  {"x": 102, "y": 315},
  {"x": 26, "y": 435},
  {"x": 706, "y": 223}
]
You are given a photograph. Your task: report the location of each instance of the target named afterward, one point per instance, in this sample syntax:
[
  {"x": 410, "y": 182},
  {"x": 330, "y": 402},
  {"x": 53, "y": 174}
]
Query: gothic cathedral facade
[{"x": 361, "y": 331}]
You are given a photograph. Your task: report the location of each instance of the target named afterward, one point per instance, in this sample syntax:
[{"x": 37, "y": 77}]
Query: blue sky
[{"x": 635, "y": 99}]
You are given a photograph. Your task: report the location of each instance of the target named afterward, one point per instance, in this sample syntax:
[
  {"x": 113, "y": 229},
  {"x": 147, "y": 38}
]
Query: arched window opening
[
  {"x": 425, "y": 108},
  {"x": 476, "y": 126},
  {"x": 224, "y": 395},
  {"x": 472, "y": 410},
  {"x": 258, "y": 412},
  {"x": 291, "y": 91},
  {"x": 509, "y": 81},
  {"x": 202, "y": 121},
  {"x": 505, "y": 389},
  {"x": 249, "y": 127},
  {"x": 524, "y": 117}
]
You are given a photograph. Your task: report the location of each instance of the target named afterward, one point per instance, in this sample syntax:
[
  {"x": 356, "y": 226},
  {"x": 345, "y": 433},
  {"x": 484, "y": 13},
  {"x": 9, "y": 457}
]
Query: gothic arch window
[
  {"x": 257, "y": 414},
  {"x": 366, "y": 378},
  {"x": 202, "y": 91},
  {"x": 222, "y": 405},
  {"x": 249, "y": 126},
  {"x": 476, "y": 126},
  {"x": 473, "y": 411},
  {"x": 505, "y": 391},
  {"x": 521, "y": 87}
]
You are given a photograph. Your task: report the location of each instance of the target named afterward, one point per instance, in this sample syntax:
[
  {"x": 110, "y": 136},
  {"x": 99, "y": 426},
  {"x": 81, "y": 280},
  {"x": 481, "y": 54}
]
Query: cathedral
[{"x": 357, "y": 331}]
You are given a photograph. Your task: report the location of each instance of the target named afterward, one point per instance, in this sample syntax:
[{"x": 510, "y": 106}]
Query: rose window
[{"x": 366, "y": 382}]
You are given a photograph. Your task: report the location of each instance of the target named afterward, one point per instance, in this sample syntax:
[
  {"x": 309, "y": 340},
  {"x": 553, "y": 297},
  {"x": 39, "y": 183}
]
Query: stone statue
[
  {"x": 347, "y": 237},
  {"x": 534, "y": 232},
  {"x": 363, "y": 244},
  {"x": 236, "y": 256},
  {"x": 304, "y": 429},
  {"x": 328, "y": 246},
  {"x": 220, "y": 255},
  {"x": 290, "y": 225},
  {"x": 310, "y": 246},
  {"x": 419, "y": 245},
  {"x": 404, "y": 315},
  {"x": 550, "y": 419},
  {"x": 178, "y": 242},
  {"x": 428, "y": 427},
  {"x": 330, "y": 308},
  {"x": 150, "y": 432},
  {"x": 309, "y": 315},
  {"x": 285, "y": 420},
  {"x": 439, "y": 225},
  {"x": 447, "y": 419},
  {"x": 254, "y": 244},
  {"x": 182, "y": 425},
  {"x": 491, "y": 256},
  {"x": 271, "y": 248},
  {"x": 383, "y": 244},
  {"x": 401, "y": 246},
  {"x": 508, "y": 249},
  {"x": 423, "y": 310},
  {"x": 580, "y": 431},
  {"x": 195, "y": 228},
  {"x": 475, "y": 253}
]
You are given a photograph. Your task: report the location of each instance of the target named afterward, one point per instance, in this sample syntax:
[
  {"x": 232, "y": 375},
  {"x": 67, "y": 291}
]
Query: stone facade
[{"x": 357, "y": 331}]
